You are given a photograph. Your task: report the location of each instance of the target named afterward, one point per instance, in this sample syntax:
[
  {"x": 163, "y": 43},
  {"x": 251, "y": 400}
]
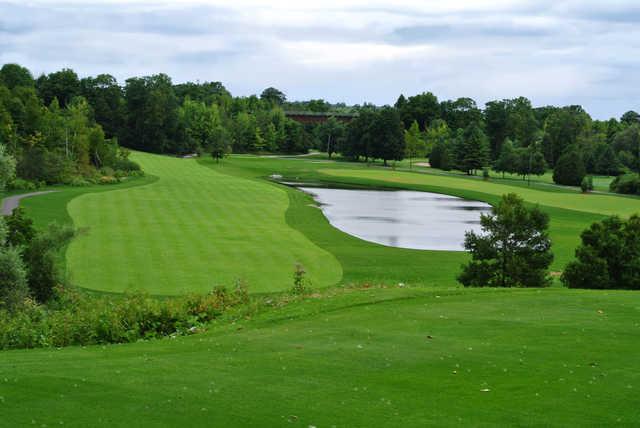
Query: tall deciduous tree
[
  {"x": 513, "y": 250},
  {"x": 152, "y": 115},
  {"x": 415, "y": 145},
  {"x": 273, "y": 96}
]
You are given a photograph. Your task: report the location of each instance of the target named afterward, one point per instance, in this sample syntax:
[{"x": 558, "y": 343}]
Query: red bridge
[{"x": 312, "y": 117}]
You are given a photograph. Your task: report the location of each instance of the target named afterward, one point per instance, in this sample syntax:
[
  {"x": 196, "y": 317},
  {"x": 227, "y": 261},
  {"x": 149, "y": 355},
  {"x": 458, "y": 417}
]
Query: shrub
[
  {"x": 569, "y": 169},
  {"x": 626, "y": 183},
  {"x": 75, "y": 318},
  {"x": 608, "y": 256},
  {"x": 79, "y": 182},
  {"x": 299, "y": 282},
  {"x": 126, "y": 165},
  {"x": 485, "y": 173},
  {"x": 106, "y": 179},
  {"x": 587, "y": 184},
  {"x": 20, "y": 184},
  {"x": 40, "y": 257},
  {"x": 13, "y": 279}
]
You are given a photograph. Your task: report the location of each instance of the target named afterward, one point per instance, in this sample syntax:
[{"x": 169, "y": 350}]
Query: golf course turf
[
  {"x": 387, "y": 337},
  {"x": 190, "y": 231},
  {"x": 375, "y": 357}
]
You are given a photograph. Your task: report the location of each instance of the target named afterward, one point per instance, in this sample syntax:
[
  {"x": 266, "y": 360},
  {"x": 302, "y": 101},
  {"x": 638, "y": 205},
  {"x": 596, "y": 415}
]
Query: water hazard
[{"x": 405, "y": 219}]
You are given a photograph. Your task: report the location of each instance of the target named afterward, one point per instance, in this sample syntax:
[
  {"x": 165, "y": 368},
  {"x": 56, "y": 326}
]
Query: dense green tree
[
  {"x": 152, "y": 115},
  {"x": 569, "y": 169},
  {"x": 630, "y": 118},
  {"x": 606, "y": 161},
  {"x": 331, "y": 135},
  {"x": 460, "y": 113},
  {"x": 422, "y": 108},
  {"x": 13, "y": 283},
  {"x": 608, "y": 257},
  {"x": 513, "y": 250},
  {"x": 7, "y": 167},
  {"x": 521, "y": 123},
  {"x": 107, "y": 102},
  {"x": 563, "y": 129},
  {"x": 472, "y": 152},
  {"x": 628, "y": 140},
  {"x": 20, "y": 229},
  {"x": 529, "y": 161},
  {"x": 273, "y": 96},
  {"x": 441, "y": 156},
  {"x": 14, "y": 75},
  {"x": 358, "y": 142},
  {"x": 496, "y": 117},
  {"x": 388, "y": 135},
  {"x": 219, "y": 143},
  {"x": 437, "y": 131},
  {"x": 62, "y": 85},
  {"x": 296, "y": 140},
  {"x": 508, "y": 160},
  {"x": 415, "y": 145},
  {"x": 199, "y": 121},
  {"x": 206, "y": 92},
  {"x": 40, "y": 257}
]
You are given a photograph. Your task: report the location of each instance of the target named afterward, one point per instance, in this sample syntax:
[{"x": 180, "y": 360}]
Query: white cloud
[{"x": 560, "y": 52}]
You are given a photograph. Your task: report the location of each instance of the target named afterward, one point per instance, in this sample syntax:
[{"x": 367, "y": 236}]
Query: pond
[{"x": 405, "y": 219}]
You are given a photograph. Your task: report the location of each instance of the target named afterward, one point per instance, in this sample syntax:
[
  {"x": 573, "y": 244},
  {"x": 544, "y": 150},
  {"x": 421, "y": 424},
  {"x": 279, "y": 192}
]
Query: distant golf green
[
  {"x": 586, "y": 202},
  {"x": 191, "y": 230}
]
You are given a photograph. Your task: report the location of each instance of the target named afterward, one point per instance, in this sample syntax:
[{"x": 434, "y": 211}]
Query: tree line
[{"x": 60, "y": 125}]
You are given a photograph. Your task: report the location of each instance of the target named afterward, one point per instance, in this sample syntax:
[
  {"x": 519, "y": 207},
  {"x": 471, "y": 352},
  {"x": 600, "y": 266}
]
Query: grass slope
[
  {"x": 392, "y": 357},
  {"x": 189, "y": 231}
]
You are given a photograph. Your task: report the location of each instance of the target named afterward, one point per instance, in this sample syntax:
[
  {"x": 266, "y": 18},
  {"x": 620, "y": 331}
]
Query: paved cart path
[{"x": 11, "y": 202}]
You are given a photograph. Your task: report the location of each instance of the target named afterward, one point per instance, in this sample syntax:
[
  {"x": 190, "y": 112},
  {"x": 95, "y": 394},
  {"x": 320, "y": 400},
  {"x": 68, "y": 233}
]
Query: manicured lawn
[
  {"x": 392, "y": 357},
  {"x": 191, "y": 230}
]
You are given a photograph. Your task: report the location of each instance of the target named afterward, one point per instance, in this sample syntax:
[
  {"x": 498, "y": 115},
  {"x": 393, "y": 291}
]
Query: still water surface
[{"x": 405, "y": 219}]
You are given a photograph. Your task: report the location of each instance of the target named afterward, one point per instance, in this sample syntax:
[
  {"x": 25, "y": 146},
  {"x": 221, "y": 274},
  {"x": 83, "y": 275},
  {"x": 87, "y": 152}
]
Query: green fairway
[
  {"x": 191, "y": 230},
  {"x": 392, "y": 357}
]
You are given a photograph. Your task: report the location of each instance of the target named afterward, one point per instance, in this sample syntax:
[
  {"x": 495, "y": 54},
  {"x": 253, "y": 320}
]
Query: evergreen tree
[
  {"x": 513, "y": 250},
  {"x": 607, "y": 257},
  {"x": 473, "y": 150}
]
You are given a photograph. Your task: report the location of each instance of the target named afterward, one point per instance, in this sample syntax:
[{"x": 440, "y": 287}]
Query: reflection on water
[{"x": 406, "y": 219}]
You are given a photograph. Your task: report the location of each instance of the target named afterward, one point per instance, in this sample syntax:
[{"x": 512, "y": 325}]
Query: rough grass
[
  {"x": 392, "y": 357},
  {"x": 191, "y": 230}
]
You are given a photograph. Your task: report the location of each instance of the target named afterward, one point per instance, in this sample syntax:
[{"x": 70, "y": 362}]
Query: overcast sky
[{"x": 551, "y": 51}]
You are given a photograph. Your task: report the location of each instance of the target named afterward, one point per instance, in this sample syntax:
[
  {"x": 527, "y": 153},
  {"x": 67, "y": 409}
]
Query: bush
[
  {"x": 40, "y": 258},
  {"x": 75, "y": 318},
  {"x": 607, "y": 257},
  {"x": 587, "y": 184},
  {"x": 126, "y": 165},
  {"x": 485, "y": 173},
  {"x": 300, "y": 285},
  {"x": 106, "y": 179},
  {"x": 13, "y": 279},
  {"x": 20, "y": 184},
  {"x": 569, "y": 169},
  {"x": 627, "y": 184},
  {"x": 79, "y": 182}
]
